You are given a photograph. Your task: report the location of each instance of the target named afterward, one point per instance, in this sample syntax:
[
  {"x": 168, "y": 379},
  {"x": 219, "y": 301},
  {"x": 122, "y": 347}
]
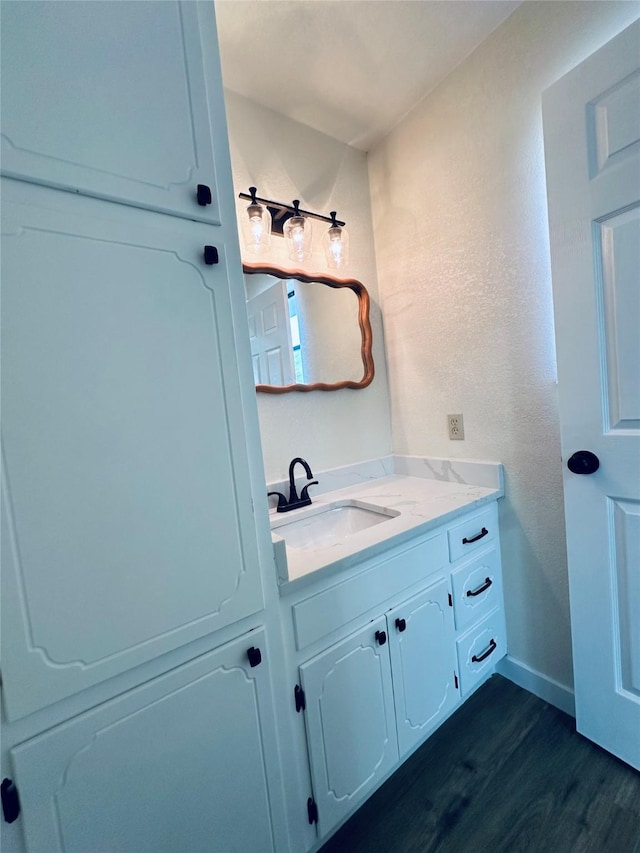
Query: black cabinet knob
[
  {"x": 583, "y": 462},
  {"x": 401, "y": 625},
  {"x": 203, "y": 194},
  {"x": 254, "y": 655},
  {"x": 210, "y": 255},
  {"x": 381, "y": 637}
]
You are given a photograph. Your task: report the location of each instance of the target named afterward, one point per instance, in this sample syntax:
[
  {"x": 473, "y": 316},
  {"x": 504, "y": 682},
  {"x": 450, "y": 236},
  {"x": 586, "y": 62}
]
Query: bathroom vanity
[{"x": 387, "y": 626}]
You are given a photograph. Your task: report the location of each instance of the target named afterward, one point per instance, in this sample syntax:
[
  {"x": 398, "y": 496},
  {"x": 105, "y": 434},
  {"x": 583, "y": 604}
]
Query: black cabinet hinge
[
  {"x": 301, "y": 702},
  {"x": 312, "y": 810},
  {"x": 10, "y": 800}
]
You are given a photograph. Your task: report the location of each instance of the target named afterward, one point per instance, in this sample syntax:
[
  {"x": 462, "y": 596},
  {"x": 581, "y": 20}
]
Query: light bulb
[
  {"x": 297, "y": 232},
  {"x": 336, "y": 245},
  {"x": 256, "y": 227}
]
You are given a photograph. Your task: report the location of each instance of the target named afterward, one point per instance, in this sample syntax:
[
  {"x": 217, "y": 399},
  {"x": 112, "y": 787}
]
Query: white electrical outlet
[{"x": 456, "y": 427}]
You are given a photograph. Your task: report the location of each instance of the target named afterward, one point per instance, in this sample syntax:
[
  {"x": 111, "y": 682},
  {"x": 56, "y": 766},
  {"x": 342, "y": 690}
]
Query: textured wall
[
  {"x": 459, "y": 209},
  {"x": 287, "y": 160}
]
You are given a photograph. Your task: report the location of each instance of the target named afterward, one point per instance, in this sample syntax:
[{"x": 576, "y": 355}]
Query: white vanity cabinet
[
  {"x": 374, "y": 695},
  {"x": 150, "y": 773},
  {"x": 381, "y": 659}
]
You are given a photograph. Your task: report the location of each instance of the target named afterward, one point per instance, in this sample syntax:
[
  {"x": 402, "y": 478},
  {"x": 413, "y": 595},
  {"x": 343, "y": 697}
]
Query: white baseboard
[{"x": 540, "y": 685}]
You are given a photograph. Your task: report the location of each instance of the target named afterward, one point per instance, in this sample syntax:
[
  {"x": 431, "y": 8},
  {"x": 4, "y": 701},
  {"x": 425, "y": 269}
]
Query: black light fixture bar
[{"x": 281, "y": 212}]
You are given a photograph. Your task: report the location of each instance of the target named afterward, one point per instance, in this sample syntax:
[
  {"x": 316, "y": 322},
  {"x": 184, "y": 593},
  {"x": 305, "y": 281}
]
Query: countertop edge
[{"x": 288, "y": 586}]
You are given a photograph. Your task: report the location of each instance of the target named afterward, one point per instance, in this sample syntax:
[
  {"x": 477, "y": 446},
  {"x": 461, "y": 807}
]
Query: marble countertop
[{"x": 422, "y": 503}]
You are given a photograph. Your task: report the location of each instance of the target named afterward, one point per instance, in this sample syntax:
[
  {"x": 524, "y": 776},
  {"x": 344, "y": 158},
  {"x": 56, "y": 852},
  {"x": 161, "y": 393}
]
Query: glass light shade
[
  {"x": 297, "y": 233},
  {"x": 256, "y": 229},
  {"x": 336, "y": 247}
]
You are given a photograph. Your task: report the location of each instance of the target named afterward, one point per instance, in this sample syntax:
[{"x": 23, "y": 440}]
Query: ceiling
[{"x": 349, "y": 68}]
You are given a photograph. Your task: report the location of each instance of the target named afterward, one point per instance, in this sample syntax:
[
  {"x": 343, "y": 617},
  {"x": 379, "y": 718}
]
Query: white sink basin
[{"x": 326, "y": 524}]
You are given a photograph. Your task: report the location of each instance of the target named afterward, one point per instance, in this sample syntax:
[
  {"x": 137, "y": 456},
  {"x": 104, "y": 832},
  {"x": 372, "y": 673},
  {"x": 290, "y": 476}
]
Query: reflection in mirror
[{"x": 307, "y": 332}]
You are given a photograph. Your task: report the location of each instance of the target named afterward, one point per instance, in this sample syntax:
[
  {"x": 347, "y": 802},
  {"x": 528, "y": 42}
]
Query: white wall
[
  {"x": 287, "y": 160},
  {"x": 459, "y": 210}
]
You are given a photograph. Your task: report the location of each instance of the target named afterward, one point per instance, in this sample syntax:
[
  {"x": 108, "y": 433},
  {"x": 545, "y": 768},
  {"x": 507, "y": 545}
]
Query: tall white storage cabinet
[{"x": 127, "y": 514}]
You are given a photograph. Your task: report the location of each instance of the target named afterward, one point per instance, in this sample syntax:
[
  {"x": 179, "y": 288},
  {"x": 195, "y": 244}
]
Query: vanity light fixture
[
  {"x": 256, "y": 226},
  {"x": 298, "y": 234},
  {"x": 295, "y": 225},
  {"x": 336, "y": 245}
]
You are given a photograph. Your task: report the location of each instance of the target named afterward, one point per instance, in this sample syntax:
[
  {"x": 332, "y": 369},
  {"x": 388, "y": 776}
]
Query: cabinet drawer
[
  {"x": 477, "y": 588},
  {"x": 474, "y": 533},
  {"x": 480, "y": 649},
  {"x": 319, "y": 615}
]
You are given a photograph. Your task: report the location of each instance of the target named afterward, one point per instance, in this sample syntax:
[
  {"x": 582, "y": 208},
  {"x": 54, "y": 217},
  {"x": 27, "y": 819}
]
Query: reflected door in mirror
[{"x": 270, "y": 333}]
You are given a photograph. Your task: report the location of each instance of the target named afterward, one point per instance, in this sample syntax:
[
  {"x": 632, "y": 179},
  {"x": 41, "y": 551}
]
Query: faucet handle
[
  {"x": 304, "y": 494},
  {"x": 282, "y": 501}
]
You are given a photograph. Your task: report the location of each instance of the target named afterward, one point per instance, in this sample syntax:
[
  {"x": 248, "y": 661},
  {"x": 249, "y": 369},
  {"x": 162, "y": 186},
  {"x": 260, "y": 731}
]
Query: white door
[
  {"x": 128, "y": 526},
  {"x": 350, "y": 721},
  {"x": 270, "y": 335},
  {"x": 422, "y": 646},
  {"x": 116, "y": 100},
  {"x": 592, "y": 145},
  {"x": 179, "y": 764}
]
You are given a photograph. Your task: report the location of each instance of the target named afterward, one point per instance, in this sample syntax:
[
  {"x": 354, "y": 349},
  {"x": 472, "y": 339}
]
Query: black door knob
[{"x": 583, "y": 462}]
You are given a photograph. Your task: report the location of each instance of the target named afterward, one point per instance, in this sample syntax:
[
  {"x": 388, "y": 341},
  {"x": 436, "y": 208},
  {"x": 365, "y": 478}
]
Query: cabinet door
[
  {"x": 115, "y": 100},
  {"x": 128, "y": 524},
  {"x": 182, "y": 763},
  {"x": 350, "y": 721},
  {"x": 423, "y": 662}
]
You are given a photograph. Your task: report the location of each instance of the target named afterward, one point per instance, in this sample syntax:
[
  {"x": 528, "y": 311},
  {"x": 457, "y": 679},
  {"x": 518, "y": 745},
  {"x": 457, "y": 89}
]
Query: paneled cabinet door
[
  {"x": 184, "y": 762},
  {"x": 350, "y": 721},
  {"x": 128, "y": 525},
  {"x": 423, "y": 661},
  {"x": 117, "y": 100}
]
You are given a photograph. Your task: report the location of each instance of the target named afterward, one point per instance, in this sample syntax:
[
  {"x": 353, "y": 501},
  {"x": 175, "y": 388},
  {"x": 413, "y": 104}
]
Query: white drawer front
[
  {"x": 319, "y": 615},
  {"x": 474, "y": 533},
  {"x": 477, "y": 588},
  {"x": 480, "y": 649}
]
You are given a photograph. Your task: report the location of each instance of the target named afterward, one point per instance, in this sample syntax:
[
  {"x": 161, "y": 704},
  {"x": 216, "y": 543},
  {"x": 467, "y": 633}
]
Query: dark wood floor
[{"x": 506, "y": 773}]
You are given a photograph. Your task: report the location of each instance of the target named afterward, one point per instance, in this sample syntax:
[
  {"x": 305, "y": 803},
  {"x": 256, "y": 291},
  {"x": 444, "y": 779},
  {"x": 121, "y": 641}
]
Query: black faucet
[{"x": 294, "y": 501}]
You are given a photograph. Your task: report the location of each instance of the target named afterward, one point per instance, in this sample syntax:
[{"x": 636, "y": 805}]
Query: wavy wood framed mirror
[{"x": 309, "y": 332}]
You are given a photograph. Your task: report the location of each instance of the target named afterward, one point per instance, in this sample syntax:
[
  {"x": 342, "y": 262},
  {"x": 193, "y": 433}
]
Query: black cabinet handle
[
  {"x": 401, "y": 625},
  {"x": 210, "y": 255},
  {"x": 490, "y": 650},
  {"x": 583, "y": 462},
  {"x": 381, "y": 637},
  {"x": 482, "y": 533},
  {"x": 254, "y": 655},
  {"x": 203, "y": 194},
  {"x": 485, "y": 585}
]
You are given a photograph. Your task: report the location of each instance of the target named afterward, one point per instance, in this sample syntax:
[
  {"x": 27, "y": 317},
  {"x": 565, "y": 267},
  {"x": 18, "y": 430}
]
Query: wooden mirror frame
[{"x": 363, "y": 321}]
